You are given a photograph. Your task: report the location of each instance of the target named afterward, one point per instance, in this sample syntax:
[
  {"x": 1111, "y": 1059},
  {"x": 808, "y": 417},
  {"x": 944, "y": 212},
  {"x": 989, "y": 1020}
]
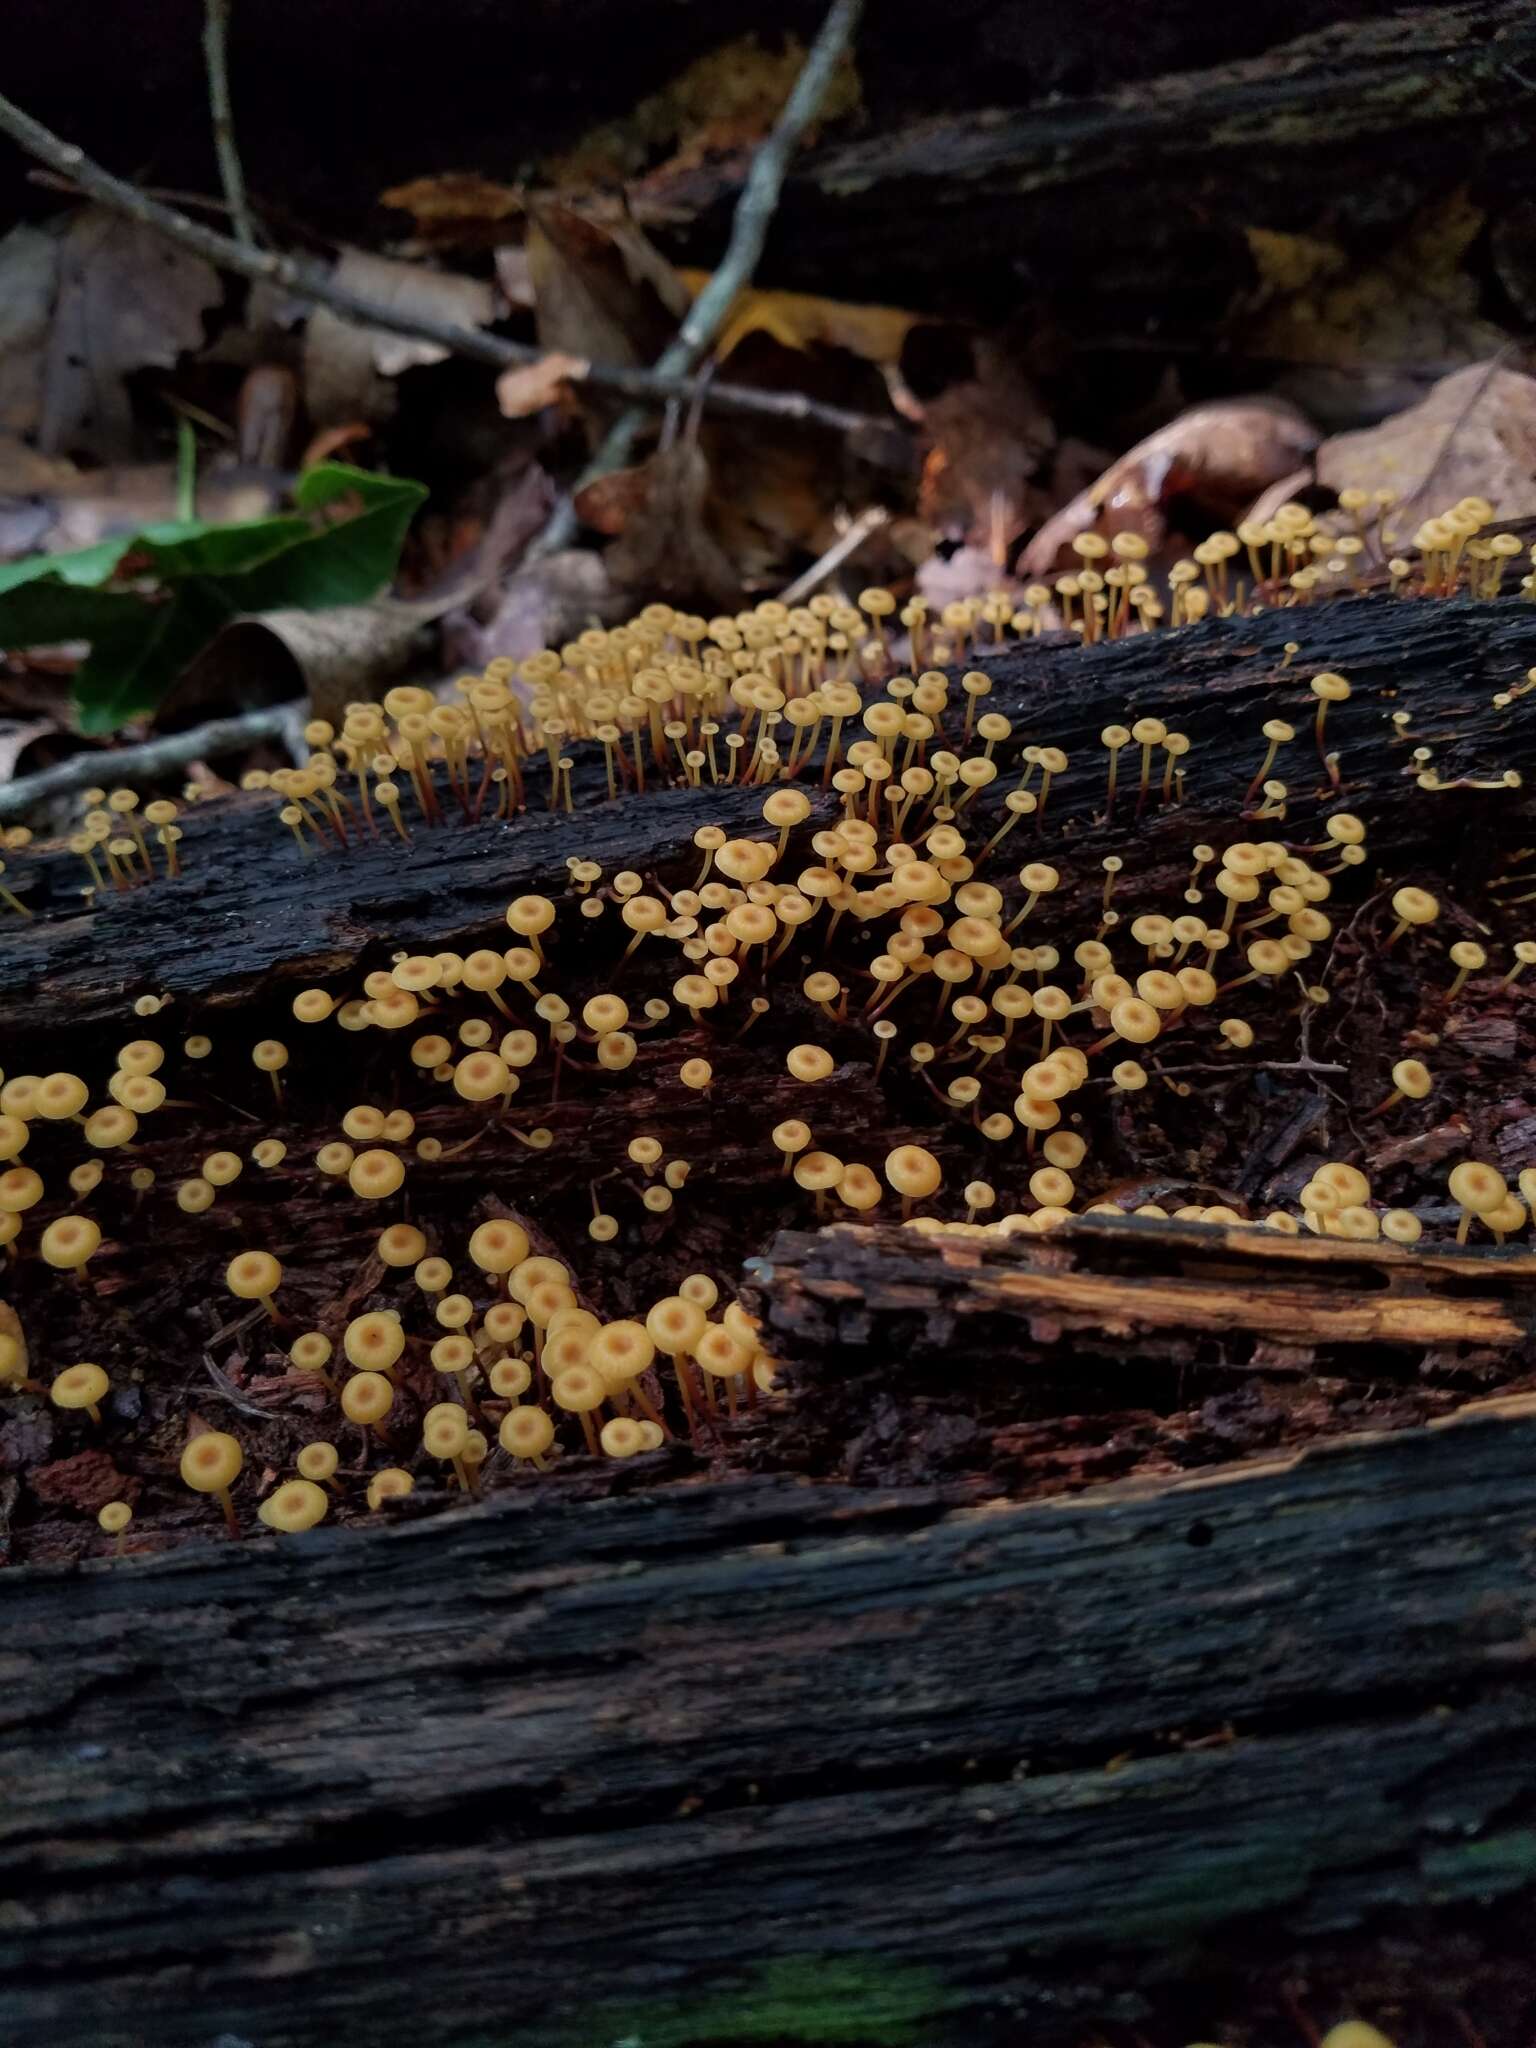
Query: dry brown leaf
[
  {"x": 513, "y": 274},
  {"x": 731, "y": 97},
  {"x": 667, "y": 543},
  {"x": 799, "y": 320},
  {"x": 1473, "y": 434},
  {"x": 609, "y": 502},
  {"x": 1220, "y": 455},
  {"x": 29, "y": 270},
  {"x": 24, "y": 473},
  {"x": 347, "y": 368},
  {"x": 601, "y": 291},
  {"x": 535, "y": 385},
  {"x": 127, "y": 299},
  {"x": 539, "y": 606},
  {"x": 1361, "y": 331},
  {"x": 455, "y": 206},
  {"x": 16, "y": 735},
  {"x": 990, "y": 433}
]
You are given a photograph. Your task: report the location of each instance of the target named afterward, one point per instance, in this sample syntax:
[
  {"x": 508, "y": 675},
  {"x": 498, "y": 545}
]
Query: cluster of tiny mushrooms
[{"x": 904, "y": 918}]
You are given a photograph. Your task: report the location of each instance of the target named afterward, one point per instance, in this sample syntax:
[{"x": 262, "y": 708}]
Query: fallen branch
[
  {"x": 869, "y": 521},
  {"x": 231, "y": 174},
  {"x": 316, "y": 282},
  {"x": 157, "y": 757},
  {"x": 704, "y": 319}
]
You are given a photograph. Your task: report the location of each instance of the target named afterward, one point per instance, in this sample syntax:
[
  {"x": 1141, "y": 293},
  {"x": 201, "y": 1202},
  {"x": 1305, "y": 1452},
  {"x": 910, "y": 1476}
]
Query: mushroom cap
[
  {"x": 1415, "y": 906},
  {"x": 69, "y": 1241},
  {"x": 1477, "y": 1186},
  {"x": 79, "y": 1386},
  {"x": 913, "y": 1171},
  {"x": 211, "y": 1462},
  {"x": 251, "y": 1276},
  {"x": 623, "y": 1437},
  {"x": 374, "y": 1341},
  {"x": 367, "y": 1397},
  {"x": 389, "y": 1484},
  {"x": 402, "y": 1244},
  {"x": 444, "y": 1430},
  {"x": 297, "y": 1504},
  {"x": 526, "y": 1432}
]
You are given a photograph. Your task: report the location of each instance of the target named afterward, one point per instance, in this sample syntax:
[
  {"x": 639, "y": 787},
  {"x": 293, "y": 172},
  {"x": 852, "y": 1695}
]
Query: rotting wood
[
  {"x": 1126, "y": 1276},
  {"x": 624, "y": 1768},
  {"x": 1160, "y": 178},
  {"x": 1120, "y": 1343},
  {"x": 249, "y": 911}
]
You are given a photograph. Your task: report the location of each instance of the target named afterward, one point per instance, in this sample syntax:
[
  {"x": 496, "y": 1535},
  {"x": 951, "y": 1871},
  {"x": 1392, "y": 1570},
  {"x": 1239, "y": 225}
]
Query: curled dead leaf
[
  {"x": 1220, "y": 455},
  {"x": 455, "y": 206},
  {"x": 601, "y": 290},
  {"x": 800, "y": 320},
  {"x": 1473, "y": 432},
  {"x": 609, "y": 502},
  {"x": 531, "y": 387}
]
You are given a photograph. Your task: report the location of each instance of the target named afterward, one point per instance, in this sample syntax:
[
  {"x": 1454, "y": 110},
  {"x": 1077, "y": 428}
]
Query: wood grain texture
[
  {"x": 764, "y": 1760},
  {"x": 858, "y": 1298}
]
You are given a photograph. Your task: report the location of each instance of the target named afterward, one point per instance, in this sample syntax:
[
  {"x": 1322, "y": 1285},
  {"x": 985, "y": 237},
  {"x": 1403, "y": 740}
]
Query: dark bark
[
  {"x": 249, "y": 912},
  {"x": 1128, "y": 207},
  {"x": 766, "y": 1762}
]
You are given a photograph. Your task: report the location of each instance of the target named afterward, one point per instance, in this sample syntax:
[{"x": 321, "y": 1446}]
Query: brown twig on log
[
  {"x": 231, "y": 173},
  {"x": 754, "y": 209}
]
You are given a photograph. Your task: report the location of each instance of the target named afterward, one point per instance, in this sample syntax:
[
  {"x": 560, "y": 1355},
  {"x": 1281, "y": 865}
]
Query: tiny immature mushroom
[
  {"x": 113, "y": 1520},
  {"x": 1411, "y": 906},
  {"x": 255, "y": 1276},
  {"x": 1467, "y": 957},
  {"x": 296, "y": 1505},
  {"x": 526, "y": 1433},
  {"x": 366, "y": 1399},
  {"x": 1478, "y": 1190},
  {"x": 69, "y": 1242},
  {"x": 389, "y": 1484},
  {"x": 80, "y": 1386},
  {"x": 270, "y": 1055},
  {"x": 211, "y": 1463},
  {"x": 1411, "y": 1081}
]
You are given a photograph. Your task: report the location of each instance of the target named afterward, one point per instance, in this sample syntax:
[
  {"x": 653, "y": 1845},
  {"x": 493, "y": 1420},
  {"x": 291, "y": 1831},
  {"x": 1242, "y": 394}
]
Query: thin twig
[
  {"x": 846, "y": 544},
  {"x": 154, "y": 758},
  {"x": 704, "y": 319},
  {"x": 316, "y": 282},
  {"x": 231, "y": 176}
]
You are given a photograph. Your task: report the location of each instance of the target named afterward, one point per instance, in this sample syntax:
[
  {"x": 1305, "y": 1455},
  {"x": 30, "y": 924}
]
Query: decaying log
[
  {"x": 576, "y": 1774},
  {"x": 1053, "y": 1361},
  {"x": 1130, "y": 206},
  {"x": 250, "y": 912},
  {"x": 877, "y": 1296}
]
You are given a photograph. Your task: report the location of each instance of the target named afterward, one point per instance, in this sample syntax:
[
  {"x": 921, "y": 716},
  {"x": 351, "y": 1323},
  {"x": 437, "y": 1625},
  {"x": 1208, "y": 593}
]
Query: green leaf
[
  {"x": 131, "y": 666},
  {"x": 344, "y": 563},
  {"x": 41, "y": 614},
  {"x": 84, "y": 569},
  {"x": 194, "y": 548},
  {"x": 189, "y": 577}
]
